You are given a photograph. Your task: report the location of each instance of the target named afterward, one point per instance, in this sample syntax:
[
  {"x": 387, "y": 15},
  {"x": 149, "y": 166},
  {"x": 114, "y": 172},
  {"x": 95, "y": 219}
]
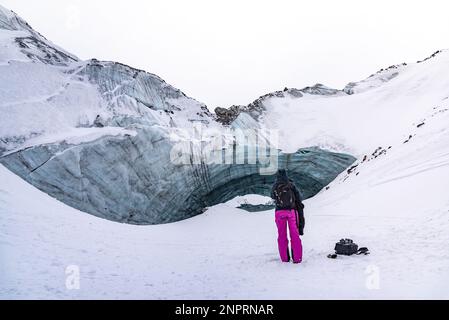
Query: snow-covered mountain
[
  {"x": 97, "y": 136},
  {"x": 382, "y": 109},
  {"x": 46, "y": 91},
  {"x": 102, "y": 136}
]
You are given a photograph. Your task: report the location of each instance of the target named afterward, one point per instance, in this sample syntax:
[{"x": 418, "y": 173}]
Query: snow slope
[
  {"x": 393, "y": 201},
  {"x": 381, "y": 110},
  {"x": 397, "y": 206}
]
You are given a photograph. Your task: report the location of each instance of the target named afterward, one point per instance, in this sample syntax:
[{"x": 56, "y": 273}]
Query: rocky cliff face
[{"x": 102, "y": 136}]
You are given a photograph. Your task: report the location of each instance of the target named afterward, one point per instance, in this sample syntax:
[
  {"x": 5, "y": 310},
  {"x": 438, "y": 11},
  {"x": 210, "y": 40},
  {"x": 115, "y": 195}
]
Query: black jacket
[{"x": 298, "y": 198}]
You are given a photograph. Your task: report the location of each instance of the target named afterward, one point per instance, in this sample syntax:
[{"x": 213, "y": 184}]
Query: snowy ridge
[
  {"x": 359, "y": 123},
  {"x": 75, "y": 119},
  {"x": 46, "y": 91},
  {"x": 393, "y": 202},
  {"x": 31, "y": 43},
  {"x": 375, "y": 81}
]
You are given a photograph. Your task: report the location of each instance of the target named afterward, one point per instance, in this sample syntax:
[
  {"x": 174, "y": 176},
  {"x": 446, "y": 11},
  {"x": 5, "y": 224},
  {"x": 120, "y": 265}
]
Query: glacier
[
  {"x": 98, "y": 136},
  {"x": 132, "y": 179},
  {"x": 64, "y": 119}
]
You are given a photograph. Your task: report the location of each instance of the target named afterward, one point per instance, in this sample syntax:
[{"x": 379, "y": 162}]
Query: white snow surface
[
  {"x": 397, "y": 206},
  {"x": 395, "y": 203}
]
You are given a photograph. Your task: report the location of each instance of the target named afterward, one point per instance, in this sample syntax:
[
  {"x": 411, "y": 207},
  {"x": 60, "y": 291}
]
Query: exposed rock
[
  {"x": 99, "y": 122},
  {"x": 408, "y": 139},
  {"x": 352, "y": 168},
  {"x": 226, "y": 116},
  {"x": 433, "y": 55},
  {"x": 296, "y": 93},
  {"x": 38, "y": 50},
  {"x": 320, "y": 89}
]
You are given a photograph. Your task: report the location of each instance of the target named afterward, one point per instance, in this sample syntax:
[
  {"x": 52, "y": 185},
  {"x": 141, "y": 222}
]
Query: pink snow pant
[{"x": 284, "y": 218}]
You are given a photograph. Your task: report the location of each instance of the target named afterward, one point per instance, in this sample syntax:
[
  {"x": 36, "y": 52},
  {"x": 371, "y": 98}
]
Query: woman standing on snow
[{"x": 289, "y": 211}]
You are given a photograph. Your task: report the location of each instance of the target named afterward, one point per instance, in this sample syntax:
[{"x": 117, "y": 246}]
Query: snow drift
[{"x": 392, "y": 199}]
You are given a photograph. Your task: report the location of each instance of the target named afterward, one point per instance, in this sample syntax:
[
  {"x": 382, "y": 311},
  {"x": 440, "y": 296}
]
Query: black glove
[{"x": 302, "y": 221}]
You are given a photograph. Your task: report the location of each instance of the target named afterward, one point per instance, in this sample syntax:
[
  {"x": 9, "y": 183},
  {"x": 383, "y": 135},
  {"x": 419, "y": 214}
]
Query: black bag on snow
[
  {"x": 285, "y": 197},
  {"x": 346, "y": 247}
]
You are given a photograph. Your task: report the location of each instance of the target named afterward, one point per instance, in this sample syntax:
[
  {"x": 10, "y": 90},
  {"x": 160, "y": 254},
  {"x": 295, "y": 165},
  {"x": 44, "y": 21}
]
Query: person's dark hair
[{"x": 282, "y": 176}]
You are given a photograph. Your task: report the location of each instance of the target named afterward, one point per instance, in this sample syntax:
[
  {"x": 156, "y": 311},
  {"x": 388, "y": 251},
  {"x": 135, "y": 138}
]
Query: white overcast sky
[{"x": 233, "y": 51}]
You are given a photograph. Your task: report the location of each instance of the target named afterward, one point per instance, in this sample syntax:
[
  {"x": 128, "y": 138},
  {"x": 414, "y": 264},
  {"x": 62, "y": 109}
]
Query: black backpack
[
  {"x": 346, "y": 247},
  {"x": 285, "y": 197}
]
